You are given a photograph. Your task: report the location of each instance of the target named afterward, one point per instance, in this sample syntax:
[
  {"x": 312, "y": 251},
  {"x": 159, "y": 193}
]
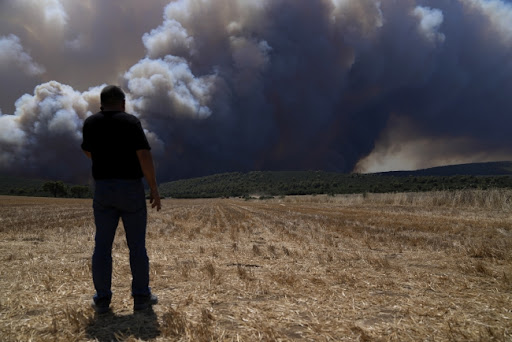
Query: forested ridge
[
  {"x": 262, "y": 184},
  {"x": 268, "y": 183}
]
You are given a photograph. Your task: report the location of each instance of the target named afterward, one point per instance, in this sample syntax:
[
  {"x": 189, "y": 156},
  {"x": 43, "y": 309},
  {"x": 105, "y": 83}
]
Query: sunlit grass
[{"x": 405, "y": 267}]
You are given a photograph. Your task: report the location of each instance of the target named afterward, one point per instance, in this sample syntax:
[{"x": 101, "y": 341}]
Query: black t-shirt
[{"x": 112, "y": 138}]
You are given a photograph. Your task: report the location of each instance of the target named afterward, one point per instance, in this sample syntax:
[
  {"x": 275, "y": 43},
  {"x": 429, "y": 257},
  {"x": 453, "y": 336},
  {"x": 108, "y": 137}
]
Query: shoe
[
  {"x": 101, "y": 305},
  {"x": 144, "y": 302}
]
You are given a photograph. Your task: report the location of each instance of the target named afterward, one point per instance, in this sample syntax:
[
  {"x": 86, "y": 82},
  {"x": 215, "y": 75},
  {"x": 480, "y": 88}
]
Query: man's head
[{"x": 112, "y": 98}]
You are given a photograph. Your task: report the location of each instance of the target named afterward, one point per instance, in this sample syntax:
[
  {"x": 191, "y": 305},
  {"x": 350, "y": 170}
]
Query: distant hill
[
  {"x": 282, "y": 183},
  {"x": 472, "y": 169},
  {"x": 273, "y": 183}
]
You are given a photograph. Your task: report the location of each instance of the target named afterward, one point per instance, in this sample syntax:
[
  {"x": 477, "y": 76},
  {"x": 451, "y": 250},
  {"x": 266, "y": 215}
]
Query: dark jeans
[{"x": 125, "y": 199}]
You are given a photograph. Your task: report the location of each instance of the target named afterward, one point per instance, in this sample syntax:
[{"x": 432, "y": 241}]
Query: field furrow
[{"x": 345, "y": 268}]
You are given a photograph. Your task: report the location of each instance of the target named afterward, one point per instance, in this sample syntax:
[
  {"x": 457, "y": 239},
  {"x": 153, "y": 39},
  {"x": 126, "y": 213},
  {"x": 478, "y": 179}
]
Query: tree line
[
  {"x": 263, "y": 184},
  {"x": 269, "y": 183},
  {"x": 54, "y": 189}
]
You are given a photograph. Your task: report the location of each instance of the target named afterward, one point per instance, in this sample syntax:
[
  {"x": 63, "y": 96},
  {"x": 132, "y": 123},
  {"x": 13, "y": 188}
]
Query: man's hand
[
  {"x": 154, "y": 199},
  {"x": 146, "y": 164}
]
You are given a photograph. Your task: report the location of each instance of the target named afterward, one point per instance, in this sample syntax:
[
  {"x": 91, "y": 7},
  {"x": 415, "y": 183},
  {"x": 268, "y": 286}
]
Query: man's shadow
[{"x": 109, "y": 327}]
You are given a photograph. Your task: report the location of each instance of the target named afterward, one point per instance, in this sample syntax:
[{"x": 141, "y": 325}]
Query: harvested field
[{"x": 397, "y": 267}]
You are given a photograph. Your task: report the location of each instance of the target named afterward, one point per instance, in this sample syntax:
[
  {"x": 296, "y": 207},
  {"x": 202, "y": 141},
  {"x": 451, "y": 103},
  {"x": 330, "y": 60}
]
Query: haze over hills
[{"x": 471, "y": 169}]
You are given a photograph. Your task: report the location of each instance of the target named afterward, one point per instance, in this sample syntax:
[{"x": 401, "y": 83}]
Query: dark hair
[{"x": 111, "y": 95}]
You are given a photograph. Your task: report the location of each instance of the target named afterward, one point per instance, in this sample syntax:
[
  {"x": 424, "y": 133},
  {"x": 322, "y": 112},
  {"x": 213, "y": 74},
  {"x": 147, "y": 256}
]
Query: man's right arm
[{"x": 146, "y": 163}]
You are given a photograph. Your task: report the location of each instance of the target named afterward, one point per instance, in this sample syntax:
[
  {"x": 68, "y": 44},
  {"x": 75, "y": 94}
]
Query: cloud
[
  {"x": 170, "y": 84},
  {"x": 236, "y": 85},
  {"x": 52, "y": 11},
  {"x": 78, "y": 42},
  {"x": 170, "y": 37},
  {"x": 43, "y": 136},
  {"x": 13, "y": 54},
  {"x": 430, "y": 21},
  {"x": 499, "y": 14}
]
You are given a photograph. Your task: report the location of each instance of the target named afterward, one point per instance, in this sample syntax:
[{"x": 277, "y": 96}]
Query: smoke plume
[{"x": 237, "y": 85}]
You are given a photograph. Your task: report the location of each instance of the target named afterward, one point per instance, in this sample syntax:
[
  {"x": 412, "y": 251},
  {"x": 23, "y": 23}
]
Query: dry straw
[{"x": 379, "y": 267}]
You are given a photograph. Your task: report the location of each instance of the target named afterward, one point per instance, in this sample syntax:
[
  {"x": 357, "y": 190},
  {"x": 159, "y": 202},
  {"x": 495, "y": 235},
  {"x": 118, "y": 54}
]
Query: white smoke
[
  {"x": 169, "y": 34},
  {"x": 43, "y": 135},
  {"x": 169, "y": 83},
  {"x": 52, "y": 11},
  {"x": 498, "y": 12},
  {"x": 80, "y": 43},
  {"x": 13, "y": 54},
  {"x": 430, "y": 22}
]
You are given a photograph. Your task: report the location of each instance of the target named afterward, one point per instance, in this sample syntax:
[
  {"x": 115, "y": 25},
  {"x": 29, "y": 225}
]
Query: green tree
[
  {"x": 79, "y": 191},
  {"x": 56, "y": 188}
]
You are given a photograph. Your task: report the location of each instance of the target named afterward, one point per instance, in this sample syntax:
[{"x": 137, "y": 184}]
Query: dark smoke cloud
[{"x": 284, "y": 84}]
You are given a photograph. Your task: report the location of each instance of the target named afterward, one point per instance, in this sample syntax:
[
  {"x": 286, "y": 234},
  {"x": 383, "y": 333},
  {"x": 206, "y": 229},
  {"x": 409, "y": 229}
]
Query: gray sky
[{"x": 239, "y": 85}]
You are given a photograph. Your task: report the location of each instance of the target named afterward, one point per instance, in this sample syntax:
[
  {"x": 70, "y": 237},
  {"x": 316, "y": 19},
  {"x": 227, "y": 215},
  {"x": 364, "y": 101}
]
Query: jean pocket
[
  {"x": 104, "y": 195},
  {"x": 132, "y": 199}
]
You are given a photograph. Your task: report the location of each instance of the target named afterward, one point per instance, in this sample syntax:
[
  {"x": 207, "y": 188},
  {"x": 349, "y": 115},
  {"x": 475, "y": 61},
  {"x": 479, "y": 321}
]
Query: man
[{"x": 120, "y": 153}]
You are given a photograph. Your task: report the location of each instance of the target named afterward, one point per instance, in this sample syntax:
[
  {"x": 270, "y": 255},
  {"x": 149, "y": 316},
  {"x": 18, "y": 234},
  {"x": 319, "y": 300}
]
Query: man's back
[
  {"x": 113, "y": 137},
  {"x": 121, "y": 156}
]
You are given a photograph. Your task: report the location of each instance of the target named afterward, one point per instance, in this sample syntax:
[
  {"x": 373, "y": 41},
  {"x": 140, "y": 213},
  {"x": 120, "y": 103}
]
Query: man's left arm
[{"x": 148, "y": 169}]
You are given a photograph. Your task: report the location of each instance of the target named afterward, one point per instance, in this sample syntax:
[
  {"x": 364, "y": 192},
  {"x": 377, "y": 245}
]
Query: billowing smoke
[
  {"x": 80, "y": 43},
  {"x": 12, "y": 53},
  {"x": 238, "y": 85},
  {"x": 44, "y": 134}
]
